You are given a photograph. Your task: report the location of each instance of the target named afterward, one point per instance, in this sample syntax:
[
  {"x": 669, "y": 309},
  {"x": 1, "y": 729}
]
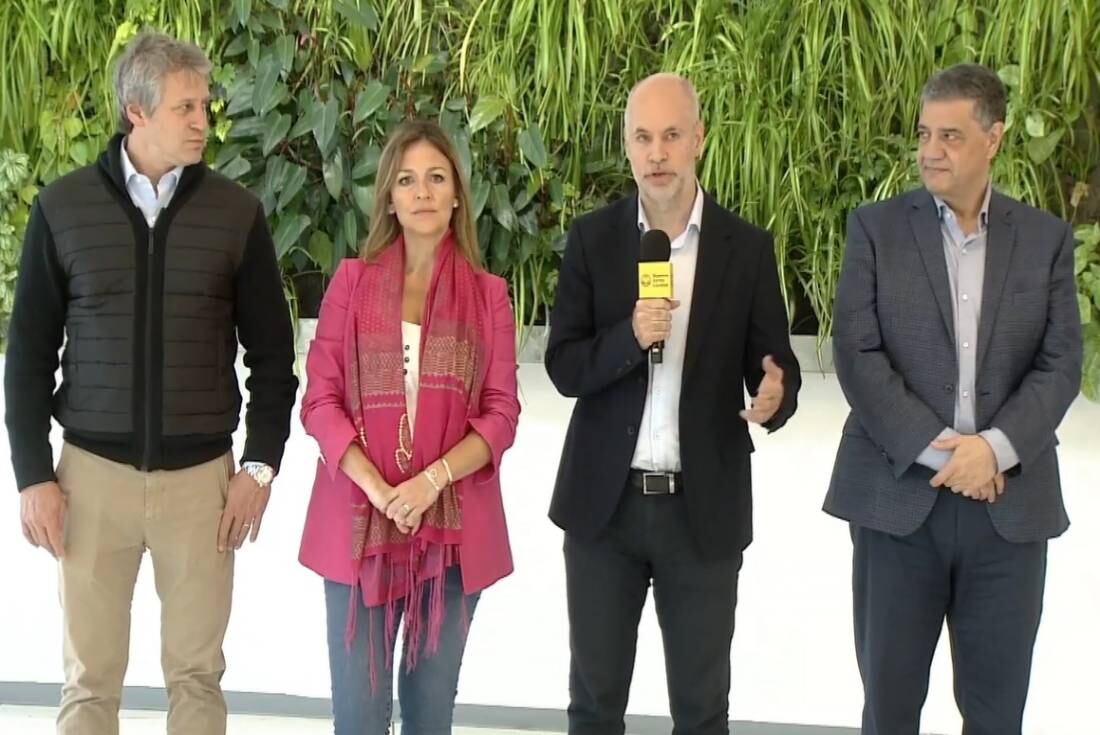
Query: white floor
[
  {"x": 793, "y": 658},
  {"x": 40, "y": 721}
]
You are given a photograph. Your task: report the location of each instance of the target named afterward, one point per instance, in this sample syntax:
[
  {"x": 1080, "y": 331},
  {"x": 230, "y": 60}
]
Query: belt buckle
[{"x": 669, "y": 483}]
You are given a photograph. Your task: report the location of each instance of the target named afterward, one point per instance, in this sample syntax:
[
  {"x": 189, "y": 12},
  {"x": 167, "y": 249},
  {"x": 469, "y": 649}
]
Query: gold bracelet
[
  {"x": 431, "y": 473},
  {"x": 447, "y": 466}
]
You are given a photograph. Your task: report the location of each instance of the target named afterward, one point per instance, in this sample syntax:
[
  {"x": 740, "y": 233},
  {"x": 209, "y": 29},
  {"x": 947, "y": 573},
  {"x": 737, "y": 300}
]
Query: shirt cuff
[
  {"x": 1002, "y": 449},
  {"x": 935, "y": 459}
]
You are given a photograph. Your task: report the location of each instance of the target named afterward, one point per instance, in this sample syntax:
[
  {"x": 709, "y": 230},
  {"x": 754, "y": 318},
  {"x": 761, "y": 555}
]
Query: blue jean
[{"x": 426, "y": 694}]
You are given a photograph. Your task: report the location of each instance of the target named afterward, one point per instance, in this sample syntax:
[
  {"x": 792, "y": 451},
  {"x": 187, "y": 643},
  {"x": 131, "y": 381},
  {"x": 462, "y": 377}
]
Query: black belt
[{"x": 656, "y": 483}]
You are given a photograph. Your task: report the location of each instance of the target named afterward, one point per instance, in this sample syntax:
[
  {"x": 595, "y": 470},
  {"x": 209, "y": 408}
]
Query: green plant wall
[{"x": 810, "y": 110}]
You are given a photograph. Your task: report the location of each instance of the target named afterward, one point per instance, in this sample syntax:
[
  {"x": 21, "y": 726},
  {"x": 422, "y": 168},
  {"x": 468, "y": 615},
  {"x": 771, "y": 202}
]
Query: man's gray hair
[
  {"x": 140, "y": 71},
  {"x": 686, "y": 85},
  {"x": 969, "y": 82}
]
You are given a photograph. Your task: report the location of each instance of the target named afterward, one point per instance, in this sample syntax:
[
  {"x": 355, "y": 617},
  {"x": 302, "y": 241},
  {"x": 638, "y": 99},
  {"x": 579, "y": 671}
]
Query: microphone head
[{"x": 655, "y": 248}]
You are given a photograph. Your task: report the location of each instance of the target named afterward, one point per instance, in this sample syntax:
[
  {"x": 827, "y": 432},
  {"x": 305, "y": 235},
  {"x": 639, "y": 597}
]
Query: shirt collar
[
  {"x": 169, "y": 179},
  {"x": 695, "y": 220},
  {"x": 983, "y": 215}
]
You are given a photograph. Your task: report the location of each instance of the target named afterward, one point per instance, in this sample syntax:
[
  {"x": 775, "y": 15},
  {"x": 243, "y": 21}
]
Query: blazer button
[
  {"x": 948, "y": 388},
  {"x": 630, "y": 431}
]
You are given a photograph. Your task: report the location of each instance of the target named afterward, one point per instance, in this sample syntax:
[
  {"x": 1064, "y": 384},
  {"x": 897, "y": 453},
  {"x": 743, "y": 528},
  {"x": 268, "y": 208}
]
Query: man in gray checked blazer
[{"x": 958, "y": 347}]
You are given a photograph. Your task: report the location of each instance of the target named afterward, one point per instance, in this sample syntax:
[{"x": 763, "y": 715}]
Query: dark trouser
[
  {"x": 607, "y": 580},
  {"x": 991, "y": 592}
]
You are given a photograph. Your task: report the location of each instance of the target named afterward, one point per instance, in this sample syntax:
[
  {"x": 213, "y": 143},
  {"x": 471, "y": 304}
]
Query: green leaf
[
  {"x": 276, "y": 132},
  {"x": 247, "y": 127},
  {"x": 236, "y": 47},
  {"x": 79, "y": 153},
  {"x": 267, "y": 76},
  {"x": 522, "y": 200},
  {"x": 279, "y": 4},
  {"x": 240, "y": 96},
  {"x": 367, "y": 163},
  {"x": 360, "y": 16},
  {"x": 480, "y": 189},
  {"x": 307, "y": 121},
  {"x": 226, "y": 154},
  {"x": 236, "y": 168},
  {"x": 559, "y": 242},
  {"x": 1035, "y": 124},
  {"x": 1088, "y": 234},
  {"x": 351, "y": 229},
  {"x": 1090, "y": 376},
  {"x": 242, "y": 10},
  {"x": 295, "y": 180},
  {"x": 502, "y": 207},
  {"x": 1010, "y": 75},
  {"x": 429, "y": 64},
  {"x": 320, "y": 249},
  {"x": 325, "y": 127},
  {"x": 72, "y": 127},
  {"x": 369, "y": 100},
  {"x": 1084, "y": 306},
  {"x": 1040, "y": 149},
  {"x": 499, "y": 250},
  {"x": 284, "y": 52},
  {"x": 557, "y": 193},
  {"x": 287, "y": 232},
  {"x": 456, "y": 104},
  {"x": 487, "y": 109},
  {"x": 530, "y": 142},
  {"x": 364, "y": 198},
  {"x": 465, "y": 155},
  {"x": 1082, "y": 254},
  {"x": 529, "y": 222},
  {"x": 333, "y": 172}
]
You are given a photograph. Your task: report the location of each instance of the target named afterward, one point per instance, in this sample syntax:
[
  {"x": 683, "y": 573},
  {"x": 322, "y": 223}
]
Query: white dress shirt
[
  {"x": 149, "y": 199},
  {"x": 658, "y": 447}
]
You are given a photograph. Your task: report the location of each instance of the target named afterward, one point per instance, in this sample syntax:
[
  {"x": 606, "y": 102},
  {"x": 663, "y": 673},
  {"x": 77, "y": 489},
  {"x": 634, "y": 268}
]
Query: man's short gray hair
[
  {"x": 685, "y": 84},
  {"x": 969, "y": 82},
  {"x": 140, "y": 71}
]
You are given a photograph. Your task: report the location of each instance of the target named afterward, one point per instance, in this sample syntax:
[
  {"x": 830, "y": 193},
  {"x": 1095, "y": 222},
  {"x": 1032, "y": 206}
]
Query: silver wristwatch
[{"x": 262, "y": 473}]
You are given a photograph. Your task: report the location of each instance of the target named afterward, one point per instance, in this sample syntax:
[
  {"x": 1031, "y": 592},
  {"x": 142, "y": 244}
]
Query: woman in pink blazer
[{"x": 411, "y": 396}]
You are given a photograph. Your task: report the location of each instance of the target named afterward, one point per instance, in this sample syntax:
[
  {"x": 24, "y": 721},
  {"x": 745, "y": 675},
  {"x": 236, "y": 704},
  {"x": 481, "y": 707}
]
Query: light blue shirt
[
  {"x": 965, "y": 256},
  {"x": 149, "y": 199}
]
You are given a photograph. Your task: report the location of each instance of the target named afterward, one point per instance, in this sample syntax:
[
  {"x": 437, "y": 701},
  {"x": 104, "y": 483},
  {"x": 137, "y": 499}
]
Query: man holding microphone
[{"x": 654, "y": 484}]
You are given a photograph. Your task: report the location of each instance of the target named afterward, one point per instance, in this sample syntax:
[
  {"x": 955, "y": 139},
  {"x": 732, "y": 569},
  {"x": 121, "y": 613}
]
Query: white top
[
  {"x": 658, "y": 447},
  {"x": 145, "y": 197},
  {"x": 410, "y": 340}
]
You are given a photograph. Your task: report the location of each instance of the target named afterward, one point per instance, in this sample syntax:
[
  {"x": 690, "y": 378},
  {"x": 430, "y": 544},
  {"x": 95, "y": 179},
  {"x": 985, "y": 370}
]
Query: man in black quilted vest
[{"x": 147, "y": 268}]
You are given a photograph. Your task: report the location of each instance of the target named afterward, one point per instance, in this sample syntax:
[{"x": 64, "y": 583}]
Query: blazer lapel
[
  {"x": 1000, "y": 242},
  {"x": 711, "y": 263},
  {"x": 630, "y": 243},
  {"x": 925, "y": 223}
]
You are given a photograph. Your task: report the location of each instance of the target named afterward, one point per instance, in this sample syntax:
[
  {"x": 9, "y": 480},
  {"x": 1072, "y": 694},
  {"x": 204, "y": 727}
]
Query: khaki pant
[{"x": 115, "y": 513}]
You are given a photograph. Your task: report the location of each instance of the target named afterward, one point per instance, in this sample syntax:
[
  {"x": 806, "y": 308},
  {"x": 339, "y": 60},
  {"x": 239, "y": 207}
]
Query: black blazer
[{"x": 737, "y": 317}]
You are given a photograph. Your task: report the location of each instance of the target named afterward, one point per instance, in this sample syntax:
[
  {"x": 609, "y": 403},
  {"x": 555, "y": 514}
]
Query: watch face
[{"x": 262, "y": 474}]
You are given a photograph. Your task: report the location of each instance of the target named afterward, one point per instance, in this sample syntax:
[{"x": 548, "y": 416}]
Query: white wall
[{"x": 792, "y": 656}]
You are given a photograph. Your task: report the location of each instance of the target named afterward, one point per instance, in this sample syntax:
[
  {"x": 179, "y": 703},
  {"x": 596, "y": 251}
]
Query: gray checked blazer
[{"x": 896, "y": 361}]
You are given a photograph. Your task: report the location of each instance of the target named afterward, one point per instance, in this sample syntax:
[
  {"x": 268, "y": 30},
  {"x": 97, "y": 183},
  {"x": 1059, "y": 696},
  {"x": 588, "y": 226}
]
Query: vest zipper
[{"x": 147, "y": 459}]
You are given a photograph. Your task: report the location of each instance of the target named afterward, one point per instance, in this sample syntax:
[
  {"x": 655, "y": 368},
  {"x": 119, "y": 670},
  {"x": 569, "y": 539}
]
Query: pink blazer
[{"x": 326, "y": 539}]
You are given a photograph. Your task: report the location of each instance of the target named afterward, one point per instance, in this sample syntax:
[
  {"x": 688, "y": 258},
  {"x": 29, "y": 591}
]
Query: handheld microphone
[{"x": 655, "y": 277}]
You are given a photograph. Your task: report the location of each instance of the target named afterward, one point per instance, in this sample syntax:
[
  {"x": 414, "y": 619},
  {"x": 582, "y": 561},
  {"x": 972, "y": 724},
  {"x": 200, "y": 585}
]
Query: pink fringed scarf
[{"x": 392, "y": 566}]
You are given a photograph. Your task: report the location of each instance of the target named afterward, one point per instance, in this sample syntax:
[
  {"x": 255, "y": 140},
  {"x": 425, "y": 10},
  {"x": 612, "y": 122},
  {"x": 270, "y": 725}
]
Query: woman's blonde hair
[{"x": 384, "y": 227}]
